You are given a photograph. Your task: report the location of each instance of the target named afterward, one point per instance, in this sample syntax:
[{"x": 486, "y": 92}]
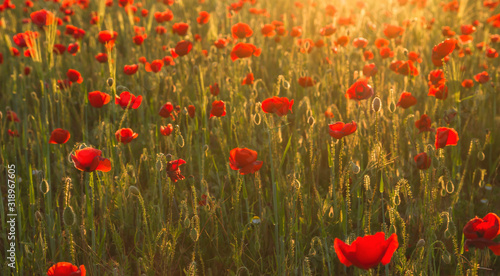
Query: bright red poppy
[
  {"x": 479, "y": 233},
  {"x": 59, "y": 136},
  {"x": 393, "y": 31},
  {"x": 139, "y": 39},
  {"x": 439, "y": 92},
  {"x": 155, "y": 66},
  {"x": 218, "y": 109},
  {"x": 244, "y": 160},
  {"x": 423, "y": 161},
  {"x": 74, "y": 76},
  {"x": 90, "y": 159},
  {"x": 66, "y": 269},
  {"x": 165, "y": 16},
  {"x": 424, "y": 123},
  {"x": 59, "y": 49},
  {"x": 102, "y": 57},
  {"x": 107, "y": 36},
  {"x": 73, "y": 48},
  {"x": 166, "y": 130},
  {"x": 130, "y": 69},
  {"x": 203, "y": 17},
  {"x": 180, "y": 28},
  {"x": 127, "y": 99},
  {"x": 360, "y": 42},
  {"x": 191, "y": 111},
  {"x": 368, "y": 251},
  {"x": 244, "y": 50},
  {"x": 306, "y": 81},
  {"x": 446, "y": 137},
  {"x": 241, "y": 30},
  {"x": 167, "y": 110},
  {"x": 340, "y": 129},
  {"x": 406, "y": 100},
  {"x": 407, "y": 68},
  {"x": 386, "y": 52},
  {"x": 436, "y": 78},
  {"x": 182, "y": 48},
  {"x": 214, "y": 89},
  {"x": 42, "y": 18},
  {"x": 268, "y": 30},
  {"x": 467, "y": 83},
  {"x": 360, "y": 90},
  {"x": 248, "y": 80},
  {"x": 370, "y": 70},
  {"x": 98, "y": 98},
  {"x": 327, "y": 30},
  {"x": 277, "y": 105},
  {"x": 443, "y": 49},
  {"x": 174, "y": 171},
  {"x": 221, "y": 43},
  {"x": 296, "y": 31},
  {"x": 125, "y": 135},
  {"x": 482, "y": 77}
]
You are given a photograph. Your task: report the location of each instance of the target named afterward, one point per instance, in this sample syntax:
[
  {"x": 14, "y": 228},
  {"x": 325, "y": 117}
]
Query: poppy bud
[
  {"x": 420, "y": 243},
  {"x": 134, "y": 190},
  {"x": 405, "y": 52},
  {"x": 376, "y": 104},
  {"x": 110, "y": 82}
]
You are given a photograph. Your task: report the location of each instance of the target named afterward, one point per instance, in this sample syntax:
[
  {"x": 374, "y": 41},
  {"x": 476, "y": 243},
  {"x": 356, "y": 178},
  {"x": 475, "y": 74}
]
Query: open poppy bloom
[
  {"x": 128, "y": 100},
  {"x": 368, "y": 251},
  {"x": 59, "y": 136},
  {"x": 155, "y": 66},
  {"x": 165, "y": 16},
  {"x": 360, "y": 42},
  {"x": 424, "y": 124},
  {"x": 277, "y": 105},
  {"x": 107, "y": 36},
  {"x": 214, "y": 89},
  {"x": 182, "y": 48},
  {"x": 101, "y": 57},
  {"x": 166, "y": 111},
  {"x": 406, "y": 100},
  {"x": 244, "y": 160},
  {"x": 174, "y": 171},
  {"x": 218, "y": 109},
  {"x": 12, "y": 116},
  {"x": 130, "y": 69},
  {"x": 180, "y": 28},
  {"x": 166, "y": 130},
  {"x": 268, "y": 30},
  {"x": 480, "y": 233},
  {"x": 482, "y": 77},
  {"x": 42, "y": 18},
  {"x": 125, "y": 135},
  {"x": 241, "y": 30},
  {"x": 423, "y": 161},
  {"x": 90, "y": 159},
  {"x": 407, "y": 68},
  {"x": 74, "y": 76},
  {"x": 340, "y": 129},
  {"x": 360, "y": 90},
  {"x": 327, "y": 30},
  {"x": 244, "y": 50},
  {"x": 370, "y": 70},
  {"x": 203, "y": 17},
  {"x": 98, "y": 98},
  {"x": 66, "y": 269},
  {"x": 248, "y": 80},
  {"x": 467, "y": 83},
  {"x": 306, "y": 81},
  {"x": 446, "y": 137},
  {"x": 439, "y": 92},
  {"x": 443, "y": 49},
  {"x": 393, "y": 31}
]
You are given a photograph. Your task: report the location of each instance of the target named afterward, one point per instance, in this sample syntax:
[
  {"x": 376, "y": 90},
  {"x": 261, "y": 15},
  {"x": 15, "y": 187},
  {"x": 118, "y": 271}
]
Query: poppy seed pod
[
  {"x": 376, "y": 104},
  {"x": 110, "y": 82}
]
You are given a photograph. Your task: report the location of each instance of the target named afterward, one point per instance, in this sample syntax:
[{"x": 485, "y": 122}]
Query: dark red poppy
[
  {"x": 166, "y": 111},
  {"x": 168, "y": 60},
  {"x": 368, "y": 251},
  {"x": 90, "y": 159},
  {"x": 127, "y": 99},
  {"x": 306, "y": 81},
  {"x": 218, "y": 109},
  {"x": 98, "y": 99},
  {"x": 241, "y": 30},
  {"x": 482, "y": 77},
  {"x": 370, "y": 70},
  {"x": 191, "y": 111},
  {"x": 66, "y": 269},
  {"x": 248, "y": 80},
  {"x": 74, "y": 76},
  {"x": 407, "y": 68},
  {"x": 244, "y": 50},
  {"x": 155, "y": 66},
  {"x": 12, "y": 116},
  {"x": 479, "y": 233},
  {"x": 139, "y": 39},
  {"x": 130, "y": 69},
  {"x": 166, "y": 130},
  {"x": 182, "y": 48},
  {"x": 244, "y": 160},
  {"x": 125, "y": 135},
  {"x": 393, "y": 31},
  {"x": 360, "y": 90},
  {"x": 436, "y": 78},
  {"x": 277, "y": 105},
  {"x": 165, "y": 16},
  {"x": 102, "y": 57},
  {"x": 424, "y": 123},
  {"x": 423, "y": 161},
  {"x": 406, "y": 100},
  {"x": 73, "y": 48},
  {"x": 59, "y": 136},
  {"x": 59, "y": 49},
  {"x": 214, "y": 89},
  {"x": 340, "y": 129},
  {"x": 42, "y": 18},
  {"x": 174, "y": 171},
  {"x": 360, "y": 42},
  {"x": 180, "y": 28},
  {"x": 439, "y": 92},
  {"x": 446, "y": 137},
  {"x": 203, "y": 17}
]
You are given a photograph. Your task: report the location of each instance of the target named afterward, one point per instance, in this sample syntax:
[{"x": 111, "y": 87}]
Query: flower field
[{"x": 250, "y": 137}]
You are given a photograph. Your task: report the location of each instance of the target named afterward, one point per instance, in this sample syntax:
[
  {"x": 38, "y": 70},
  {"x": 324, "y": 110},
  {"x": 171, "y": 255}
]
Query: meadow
[{"x": 203, "y": 137}]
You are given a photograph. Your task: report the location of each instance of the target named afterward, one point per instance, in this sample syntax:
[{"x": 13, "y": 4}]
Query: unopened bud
[
  {"x": 376, "y": 104},
  {"x": 110, "y": 82}
]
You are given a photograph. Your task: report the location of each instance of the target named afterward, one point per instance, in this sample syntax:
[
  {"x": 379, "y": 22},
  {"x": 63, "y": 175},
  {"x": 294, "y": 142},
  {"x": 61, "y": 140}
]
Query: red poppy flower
[
  {"x": 446, "y": 137},
  {"x": 415, "y": 57},
  {"x": 98, "y": 99},
  {"x": 218, "y": 109},
  {"x": 360, "y": 90},
  {"x": 73, "y": 48},
  {"x": 491, "y": 53},
  {"x": 467, "y": 83},
  {"x": 340, "y": 129},
  {"x": 368, "y": 55},
  {"x": 248, "y": 80},
  {"x": 125, "y": 135},
  {"x": 436, "y": 78},
  {"x": 155, "y": 66},
  {"x": 268, "y": 30},
  {"x": 12, "y": 116},
  {"x": 467, "y": 29},
  {"x": 424, "y": 123},
  {"x": 203, "y": 17},
  {"x": 381, "y": 42},
  {"x": 342, "y": 41},
  {"x": 221, "y": 43},
  {"x": 130, "y": 69},
  {"x": 368, "y": 251},
  {"x": 386, "y": 52},
  {"x": 74, "y": 76},
  {"x": 487, "y": 227},
  {"x": 439, "y": 92},
  {"x": 327, "y": 30},
  {"x": 59, "y": 49},
  {"x": 166, "y": 130},
  {"x": 139, "y": 39},
  {"x": 392, "y": 31},
  {"x": 165, "y": 16},
  {"x": 244, "y": 160},
  {"x": 13, "y": 133},
  {"x": 407, "y": 68},
  {"x": 423, "y": 161},
  {"x": 214, "y": 89},
  {"x": 370, "y": 70},
  {"x": 174, "y": 171},
  {"x": 107, "y": 36},
  {"x": 168, "y": 60},
  {"x": 66, "y": 269},
  {"x": 182, "y": 48},
  {"x": 494, "y": 38},
  {"x": 127, "y": 99},
  {"x": 42, "y": 18},
  {"x": 482, "y": 77},
  {"x": 277, "y": 105},
  {"x": 191, "y": 111},
  {"x": 406, "y": 100},
  {"x": 306, "y": 81},
  {"x": 166, "y": 111},
  {"x": 90, "y": 159},
  {"x": 244, "y": 50},
  {"x": 241, "y": 30},
  {"x": 180, "y": 28},
  {"x": 446, "y": 31},
  {"x": 296, "y": 31},
  {"x": 59, "y": 136},
  {"x": 443, "y": 49},
  {"x": 102, "y": 57},
  {"x": 360, "y": 42}
]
